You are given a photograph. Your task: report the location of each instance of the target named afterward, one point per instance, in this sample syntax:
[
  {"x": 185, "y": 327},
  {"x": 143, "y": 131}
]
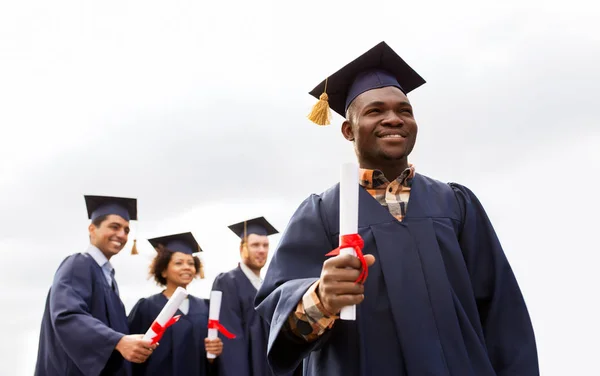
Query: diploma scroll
[
  {"x": 348, "y": 218},
  {"x": 165, "y": 317},
  {"x": 213, "y": 315}
]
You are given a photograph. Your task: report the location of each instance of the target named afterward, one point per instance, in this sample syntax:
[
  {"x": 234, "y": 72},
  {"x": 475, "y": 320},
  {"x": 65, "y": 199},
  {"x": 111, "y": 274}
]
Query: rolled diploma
[
  {"x": 213, "y": 314},
  {"x": 348, "y": 218},
  {"x": 168, "y": 310}
]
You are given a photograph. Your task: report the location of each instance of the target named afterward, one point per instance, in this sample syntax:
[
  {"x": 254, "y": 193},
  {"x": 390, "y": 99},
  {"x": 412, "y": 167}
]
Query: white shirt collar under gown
[
  {"x": 185, "y": 306},
  {"x": 102, "y": 261},
  {"x": 254, "y": 279}
]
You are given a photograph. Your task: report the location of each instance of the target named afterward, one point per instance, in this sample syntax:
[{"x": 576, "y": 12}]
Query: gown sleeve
[
  {"x": 296, "y": 265},
  {"x": 85, "y": 339},
  {"x": 507, "y": 327}
]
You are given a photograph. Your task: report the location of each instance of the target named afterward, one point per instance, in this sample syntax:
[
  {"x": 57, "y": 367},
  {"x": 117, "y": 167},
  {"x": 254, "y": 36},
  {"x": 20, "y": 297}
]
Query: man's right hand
[
  {"x": 135, "y": 348},
  {"x": 337, "y": 288}
]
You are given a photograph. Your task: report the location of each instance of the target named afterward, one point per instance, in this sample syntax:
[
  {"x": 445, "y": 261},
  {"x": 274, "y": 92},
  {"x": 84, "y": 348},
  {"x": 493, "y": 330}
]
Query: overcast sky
[{"x": 198, "y": 109}]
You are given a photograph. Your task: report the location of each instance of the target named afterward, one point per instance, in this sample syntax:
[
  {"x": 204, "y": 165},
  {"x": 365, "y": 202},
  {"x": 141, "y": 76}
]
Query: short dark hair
[
  {"x": 98, "y": 220},
  {"x": 161, "y": 262},
  {"x": 351, "y": 113}
]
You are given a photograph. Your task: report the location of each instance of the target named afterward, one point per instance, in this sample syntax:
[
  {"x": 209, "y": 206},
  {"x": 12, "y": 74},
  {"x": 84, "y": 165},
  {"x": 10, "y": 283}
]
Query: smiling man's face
[
  {"x": 110, "y": 236},
  {"x": 382, "y": 126}
]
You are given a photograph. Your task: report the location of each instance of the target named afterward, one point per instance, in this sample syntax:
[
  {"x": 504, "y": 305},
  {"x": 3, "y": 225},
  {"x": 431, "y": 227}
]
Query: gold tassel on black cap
[
  {"x": 134, "y": 250},
  {"x": 201, "y": 263},
  {"x": 245, "y": 243},
  {"x": 321, "y": 113}
]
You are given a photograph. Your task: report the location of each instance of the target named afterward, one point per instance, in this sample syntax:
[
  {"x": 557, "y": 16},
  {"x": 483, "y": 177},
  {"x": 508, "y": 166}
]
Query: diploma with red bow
[
  {"x": 350, "y": 242},
  {"x": 166, "y": 316},
  {"x": 214, "y": 326}
]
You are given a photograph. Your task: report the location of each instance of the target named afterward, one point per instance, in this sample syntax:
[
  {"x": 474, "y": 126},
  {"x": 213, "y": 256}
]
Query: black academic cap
[
  {"x": 258, "y": 226},
  {"x": 98, "y": 206},
  {"x": 379, "y": 67},
  {"x": 184, "y": 243}
]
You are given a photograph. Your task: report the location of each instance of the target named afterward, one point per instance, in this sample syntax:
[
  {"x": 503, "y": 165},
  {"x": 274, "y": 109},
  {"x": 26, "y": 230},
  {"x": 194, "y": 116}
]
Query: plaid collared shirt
[{"x": 310, "y": 320}]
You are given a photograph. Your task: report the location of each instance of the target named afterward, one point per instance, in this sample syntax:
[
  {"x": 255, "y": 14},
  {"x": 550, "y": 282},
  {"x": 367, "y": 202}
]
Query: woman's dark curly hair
[{"x": 161, "y": 262}]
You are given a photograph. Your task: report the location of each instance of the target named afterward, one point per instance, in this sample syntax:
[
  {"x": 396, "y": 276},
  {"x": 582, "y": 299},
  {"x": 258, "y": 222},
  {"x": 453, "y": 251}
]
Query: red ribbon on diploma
[
  {"x": 354, "y": 241},
  {"x": 160, "y": 330},
  {"x": 215, "y": 324}
]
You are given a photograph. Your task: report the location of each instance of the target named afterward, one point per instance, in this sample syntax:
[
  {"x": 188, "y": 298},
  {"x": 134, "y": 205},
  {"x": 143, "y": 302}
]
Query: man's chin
[
  {"x": 392, "y": 156},
  {"x": 115, "y": 251}
]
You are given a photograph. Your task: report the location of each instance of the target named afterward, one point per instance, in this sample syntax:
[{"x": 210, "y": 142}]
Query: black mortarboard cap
[
  {"x": 379, "y": 67},
  {"x": 184, "y": 243},
  {"x": 258, "y": 226},
  {"x": 98, "y": 206}
]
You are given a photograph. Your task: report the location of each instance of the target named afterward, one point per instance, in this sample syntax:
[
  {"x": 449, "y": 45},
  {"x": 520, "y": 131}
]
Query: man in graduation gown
[
  {"x": 84, "y": 327},
  {"x": 440, "y": 297},
  {"x": 246, "y": 355}
]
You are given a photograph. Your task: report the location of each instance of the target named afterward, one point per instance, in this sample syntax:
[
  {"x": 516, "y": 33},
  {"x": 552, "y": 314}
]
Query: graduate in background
[
  {"x": 84, "y": 327},
  {"x": 246, "y": 355},
  {"x": 184, "y": 344},
  {"x": 440, "y": 297}
]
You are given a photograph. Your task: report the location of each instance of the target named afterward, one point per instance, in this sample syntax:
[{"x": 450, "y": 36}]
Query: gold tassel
[
  {"x": 245, "y": 243},
  {"x": 201, "y": 263},
  {"x": 201, "y": 270},
  {"x": 134, "y": 250},
  {"x": 321, "y": 113}
]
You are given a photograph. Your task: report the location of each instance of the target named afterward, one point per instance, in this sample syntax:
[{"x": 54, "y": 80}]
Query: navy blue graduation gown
[
  {"x": 181, "y": 351},
  {"x": 83, "y": 322},
  {"x": 245, "y": 355},
  {"x": 441, "y": 298}
]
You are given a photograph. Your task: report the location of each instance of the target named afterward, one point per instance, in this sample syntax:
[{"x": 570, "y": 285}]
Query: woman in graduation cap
[
  {"x": 184, "y": 345},
  {"x": 440, "y": 297}
]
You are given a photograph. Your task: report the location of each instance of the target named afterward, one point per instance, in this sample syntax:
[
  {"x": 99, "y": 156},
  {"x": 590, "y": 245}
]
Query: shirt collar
[
  {"x": 372, "y": 179},
  {"x": 254, "y": 279},
  {"x": 98, "y": 256}
]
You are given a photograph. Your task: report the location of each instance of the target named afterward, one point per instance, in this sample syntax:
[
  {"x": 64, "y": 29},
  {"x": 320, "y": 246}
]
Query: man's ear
[
  {"x": 347, "y": 131},
  {"x": 91, "y": 230}
]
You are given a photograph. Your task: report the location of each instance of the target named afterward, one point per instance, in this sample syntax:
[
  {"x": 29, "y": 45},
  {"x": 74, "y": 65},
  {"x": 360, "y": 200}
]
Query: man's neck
[
  {"x": 255, "y": 271},
  {"x": 107, "y": 255},
  {"x": 390, "y": 170}
]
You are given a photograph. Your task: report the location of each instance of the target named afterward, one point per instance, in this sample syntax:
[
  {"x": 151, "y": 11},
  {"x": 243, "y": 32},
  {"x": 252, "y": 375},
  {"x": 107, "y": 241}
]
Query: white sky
[{"x": 199, "y": 110}]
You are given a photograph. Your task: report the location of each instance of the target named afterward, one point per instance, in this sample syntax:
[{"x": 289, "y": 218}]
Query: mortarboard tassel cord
[
  {"x": 245, "y": 242},
  {"x": 201, "y": 265},
  {"x": 134, "y": 250},
  {"x": 321, "y": 113},
  {"x": 354, "y": 241}
]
